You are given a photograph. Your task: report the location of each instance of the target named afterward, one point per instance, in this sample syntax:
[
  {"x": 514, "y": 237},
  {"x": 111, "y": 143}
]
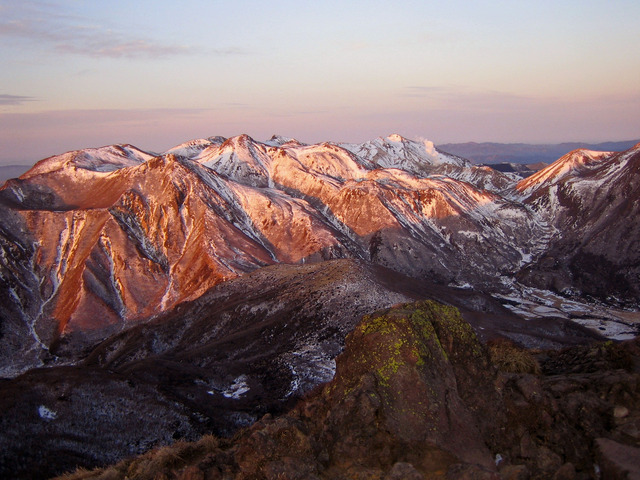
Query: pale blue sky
[{"x": 81, "y": 73}]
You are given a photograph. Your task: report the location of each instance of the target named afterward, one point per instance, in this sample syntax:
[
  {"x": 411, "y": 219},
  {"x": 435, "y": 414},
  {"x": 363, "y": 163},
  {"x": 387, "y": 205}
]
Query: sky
[{"x": 83, "y": 73}]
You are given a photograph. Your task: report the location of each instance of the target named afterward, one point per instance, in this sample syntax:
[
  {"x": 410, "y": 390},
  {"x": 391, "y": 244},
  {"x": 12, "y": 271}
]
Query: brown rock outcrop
[{"x": 415, "y": 396}]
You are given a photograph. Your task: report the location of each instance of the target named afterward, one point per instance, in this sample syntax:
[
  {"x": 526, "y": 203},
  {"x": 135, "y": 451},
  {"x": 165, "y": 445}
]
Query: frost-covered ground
[{"x": 610, "y": 322}]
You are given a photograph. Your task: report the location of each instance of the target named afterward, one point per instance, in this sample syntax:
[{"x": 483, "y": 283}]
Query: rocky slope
[
  {"x": 96, "y": 240},
  {"x": 249, "y": 346},
  {"x": 591, "y": 199},
  {"x": 415, "y": 396}
]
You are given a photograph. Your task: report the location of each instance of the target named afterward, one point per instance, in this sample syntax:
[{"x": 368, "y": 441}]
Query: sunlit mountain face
[{"x": 97, "y": 240}]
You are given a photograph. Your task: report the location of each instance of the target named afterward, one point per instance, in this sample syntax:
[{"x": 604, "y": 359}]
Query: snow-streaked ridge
[
  {"x": 564, "y": 166},
  {"x": 396, "y": 151},
  {"x": 120, "y": 234},
  {"x": 103, "y": 159}
]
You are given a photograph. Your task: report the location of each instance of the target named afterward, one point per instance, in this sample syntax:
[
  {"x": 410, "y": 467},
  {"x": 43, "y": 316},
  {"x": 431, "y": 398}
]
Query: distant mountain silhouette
[
  {"x": 488, "y": 152},
  {"x": 12, "y": 171}
]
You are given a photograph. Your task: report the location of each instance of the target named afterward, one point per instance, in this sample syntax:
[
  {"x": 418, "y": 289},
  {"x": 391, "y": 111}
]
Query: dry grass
[
  {"x": 159, "y": 462},
  {"x": 510, "y": 358},
  {"x": 109, "y": 473},
  {"x": 78, "y": 474},
  {"x": 156, "y": 464},
  {"x": 208, "y": 444}
]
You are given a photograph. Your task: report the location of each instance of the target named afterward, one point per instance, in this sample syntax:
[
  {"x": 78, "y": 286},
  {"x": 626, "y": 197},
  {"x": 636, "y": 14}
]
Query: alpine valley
[{"x": 147, "y": 298}]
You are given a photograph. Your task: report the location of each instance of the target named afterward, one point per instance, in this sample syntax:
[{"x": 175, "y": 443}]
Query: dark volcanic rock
[
  {"x": 618, "y": 461},
  {"x": 56, "y": 419}
]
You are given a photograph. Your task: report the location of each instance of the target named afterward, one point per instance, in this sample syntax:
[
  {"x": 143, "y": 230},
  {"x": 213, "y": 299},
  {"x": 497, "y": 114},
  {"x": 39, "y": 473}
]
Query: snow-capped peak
[
  {"x": 394, "y": 137},
  {"x": 396, "y": 151},
  {"x": 279, "y": 140},
  {"x": 565, "y": 165},
  {"x": 194, "y": 147},
  {"x": 102, "y": 159}
]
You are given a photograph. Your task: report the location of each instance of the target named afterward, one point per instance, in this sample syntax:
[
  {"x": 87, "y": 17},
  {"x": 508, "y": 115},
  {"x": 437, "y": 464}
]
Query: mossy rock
[{"x": 402, "y": 371}]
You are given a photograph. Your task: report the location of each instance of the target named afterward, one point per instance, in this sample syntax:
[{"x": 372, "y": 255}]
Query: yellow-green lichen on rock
[{"x": 406, "y": 357}]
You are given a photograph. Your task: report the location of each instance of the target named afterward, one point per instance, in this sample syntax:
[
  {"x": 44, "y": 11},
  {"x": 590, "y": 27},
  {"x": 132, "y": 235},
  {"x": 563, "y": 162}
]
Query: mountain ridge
[{"x": 110, "y": 236}]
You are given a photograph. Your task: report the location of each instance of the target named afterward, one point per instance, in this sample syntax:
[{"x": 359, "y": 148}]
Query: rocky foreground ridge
[{"x": 416, "y": 396}]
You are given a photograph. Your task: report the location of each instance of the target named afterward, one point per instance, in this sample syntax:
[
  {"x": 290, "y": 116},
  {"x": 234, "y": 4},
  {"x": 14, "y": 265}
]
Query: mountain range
[
  {"x": 527, "y": 153},
  {"x": 217, "y": 281}
]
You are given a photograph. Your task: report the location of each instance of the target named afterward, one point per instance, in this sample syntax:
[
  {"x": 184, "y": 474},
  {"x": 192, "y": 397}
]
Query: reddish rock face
[
  {"x": 99, "y": 239},
  {"x": 566, "y": 166},
  {"x": 141, "y": 247}
]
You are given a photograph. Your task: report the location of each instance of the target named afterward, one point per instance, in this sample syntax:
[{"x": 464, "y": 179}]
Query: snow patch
[
  {"x": 238, "y": 388},
  {"x": 615, "y": 330},
  {"x": 18, "y": 193},
  {"x": 531, "y": 303},
  {"x": 309, "y": 366},
  {"x": 46, "y": 414}
]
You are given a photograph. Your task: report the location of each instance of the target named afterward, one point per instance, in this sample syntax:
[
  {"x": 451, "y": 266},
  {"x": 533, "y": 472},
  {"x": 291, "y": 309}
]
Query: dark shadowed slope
[
  {"x": 592, "y": 201},
  {"x": 247, "y": 347}
]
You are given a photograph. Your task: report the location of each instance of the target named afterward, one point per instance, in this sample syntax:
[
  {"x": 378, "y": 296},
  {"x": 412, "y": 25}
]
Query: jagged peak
[
  {"x": 242, "y": 139},
  {"x": 395, "y": 137},
  {"x": 279, "y": 140}
]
